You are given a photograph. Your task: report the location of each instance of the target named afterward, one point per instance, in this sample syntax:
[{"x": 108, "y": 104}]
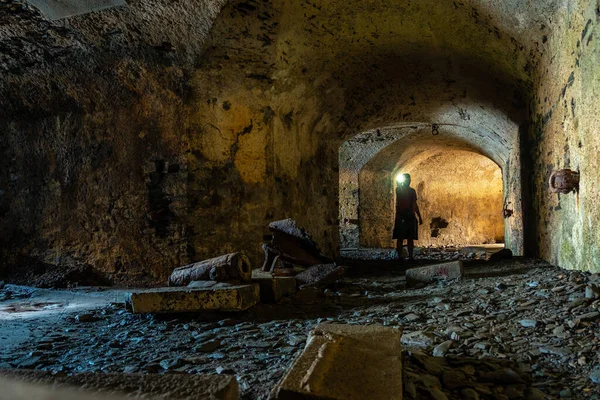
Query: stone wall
[
  {"x": 140, "y": 138},
  {"x": 565, "y": 135}
]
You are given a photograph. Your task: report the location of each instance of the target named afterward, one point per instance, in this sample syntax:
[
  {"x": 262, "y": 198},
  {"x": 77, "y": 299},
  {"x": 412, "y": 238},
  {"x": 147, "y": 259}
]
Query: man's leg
[{"x": 411, "y": 248}]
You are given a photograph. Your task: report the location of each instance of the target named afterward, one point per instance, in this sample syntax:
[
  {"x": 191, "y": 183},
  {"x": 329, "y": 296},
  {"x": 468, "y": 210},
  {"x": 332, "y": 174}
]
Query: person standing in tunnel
[{"x": 407, "y": 211}]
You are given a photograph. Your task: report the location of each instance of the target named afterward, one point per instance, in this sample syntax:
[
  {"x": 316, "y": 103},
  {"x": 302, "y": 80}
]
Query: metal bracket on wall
[
  {"x": 564, "y": 181},
  {"x": 506, "y": 212}
]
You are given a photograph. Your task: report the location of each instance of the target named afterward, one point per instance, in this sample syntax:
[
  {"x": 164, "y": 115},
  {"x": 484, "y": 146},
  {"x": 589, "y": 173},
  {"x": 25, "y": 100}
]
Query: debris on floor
[
  {"x": 293, "y": 245},
  {"x": 346, "y": 362},
  {"x": 435, "y": 272},
  {"x": 466, "y": 378},
  {"x": 477, "y": 317}
]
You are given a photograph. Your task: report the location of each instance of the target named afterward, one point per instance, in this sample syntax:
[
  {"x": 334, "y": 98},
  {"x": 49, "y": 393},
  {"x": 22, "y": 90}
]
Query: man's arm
[{"x": 416, "y": 210}]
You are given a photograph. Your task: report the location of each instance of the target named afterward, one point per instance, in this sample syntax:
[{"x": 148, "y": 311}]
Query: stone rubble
[{"x": 481, "y": 315}]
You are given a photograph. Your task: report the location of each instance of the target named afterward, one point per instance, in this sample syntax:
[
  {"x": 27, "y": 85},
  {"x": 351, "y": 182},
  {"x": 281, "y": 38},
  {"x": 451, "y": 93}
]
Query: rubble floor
[{"x": 511, "y": 329}]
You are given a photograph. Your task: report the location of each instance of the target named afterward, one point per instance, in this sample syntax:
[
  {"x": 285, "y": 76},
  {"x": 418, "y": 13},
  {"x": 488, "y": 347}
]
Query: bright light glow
[{"x": 400, "y": 178}]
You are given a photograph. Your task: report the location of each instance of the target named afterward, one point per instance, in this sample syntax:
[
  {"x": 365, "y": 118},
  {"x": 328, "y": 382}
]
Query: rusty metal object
[
  {"x": 507, "y": 212},
  {"x": 320, "y": 275},
  {"x": 230, "y": 267},
  {"x": 564, "y": 181},
  {"x": 293, "y": 245}
]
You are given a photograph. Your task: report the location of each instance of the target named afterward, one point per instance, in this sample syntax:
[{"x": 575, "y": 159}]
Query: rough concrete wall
[
  {"x": 565, "y": 135},
  {"x": 134, "y": 145},
  {"x": 460, "y": 199},
  {"x": 137, "y": 150}
]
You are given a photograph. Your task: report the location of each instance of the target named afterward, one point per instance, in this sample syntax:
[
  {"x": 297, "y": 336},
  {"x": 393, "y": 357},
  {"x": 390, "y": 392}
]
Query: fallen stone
[
  {"x": 591, "y": 291},
  {"x": 528, "y": 323},
  {"x": 418, "y": 339},
  {"x": 441, "y": 349},
  {"x": 346, "y": 362},
  {"x": 178, "y": 300},
  {"x": 431, "y": 273},
  {"x": 591, "y": 316},
  {"x": 272, "y": 289},
  {"x": 229, "y": 267},
  {"x": 595, "y": 375},
  {"x": 104, "y": 386},
  {"x": 469, "y": 394},
  {"x": 559, "y": 351},
  {"x": 412, "y": 317},
  {"x": 209, "y": 346},
  {"x": 293, "y": 245},
  {"x": 437, "y": 394},
  {"x": 320, "y": 275}
]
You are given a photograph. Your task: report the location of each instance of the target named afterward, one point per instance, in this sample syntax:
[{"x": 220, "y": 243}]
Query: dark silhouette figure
[{"x": 407, "y": 211}]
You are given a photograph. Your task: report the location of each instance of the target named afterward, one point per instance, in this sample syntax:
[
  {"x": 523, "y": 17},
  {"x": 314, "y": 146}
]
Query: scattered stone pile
[
  {"x": 460, "y": 378},
  {"x": 226, "y": 283},
  {"x": 525, "y": 316}
]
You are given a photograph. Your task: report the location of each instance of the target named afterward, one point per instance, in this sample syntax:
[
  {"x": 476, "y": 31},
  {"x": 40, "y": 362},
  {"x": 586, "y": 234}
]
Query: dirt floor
[{"x": 513, "y": 329}]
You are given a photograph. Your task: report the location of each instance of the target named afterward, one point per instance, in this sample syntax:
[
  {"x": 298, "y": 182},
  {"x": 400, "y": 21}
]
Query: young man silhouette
[{"x": 407, "y": 211}]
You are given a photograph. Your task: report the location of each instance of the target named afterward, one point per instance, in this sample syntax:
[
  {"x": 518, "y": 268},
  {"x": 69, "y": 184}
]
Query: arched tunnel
[
  {"x": 146, "y": 143},
  {"x": 461, "y": 191}
]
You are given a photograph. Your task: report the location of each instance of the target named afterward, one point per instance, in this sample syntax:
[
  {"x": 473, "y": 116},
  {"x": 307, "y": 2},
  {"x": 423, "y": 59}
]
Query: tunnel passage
[
  {"x": 463, "y": 181},
  {"x": 459, "y": 196}
]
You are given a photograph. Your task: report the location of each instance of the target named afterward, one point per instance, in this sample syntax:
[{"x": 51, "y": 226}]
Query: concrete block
[
  {"x": 430, "y": 273},
  {"x": 348, "y": 362},
  {"x": 273, "y": 288},
  {"x": 176, "y": 300},
  {"x": 38, "y": 385}
]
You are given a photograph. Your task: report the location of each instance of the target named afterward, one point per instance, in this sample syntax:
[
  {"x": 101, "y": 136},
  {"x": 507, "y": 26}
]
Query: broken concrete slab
[
  {"x": 179, "y": 300},
  {"x": 346, "y": 362},
  {"x": 418, "y": 339},
  {"x": 431, "y": 273},
  {"x": 320, "y": 275},
  {"x": 273, "y": 288},
  {"x": 99, "y": 386}
]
